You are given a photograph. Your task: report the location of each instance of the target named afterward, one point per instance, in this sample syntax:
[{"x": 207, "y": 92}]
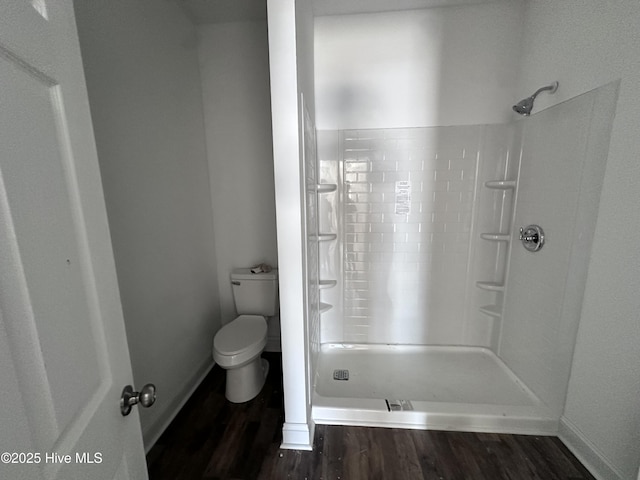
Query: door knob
[{"x": 145, "y": 397}]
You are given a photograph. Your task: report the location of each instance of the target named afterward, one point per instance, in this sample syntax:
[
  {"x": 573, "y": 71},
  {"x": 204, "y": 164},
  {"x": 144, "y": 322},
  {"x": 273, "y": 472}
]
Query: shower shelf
[
  {"x": 493, "y": 310},
  {"x": 501, "y": 184},
  {"x": 325, "y": 307},
  {"x": 496, "y": 237},
  {"x": 325, "y": 187},
  {"x": 322, "y": 284},
  {"x": 491, "y": 286},
  {"x": 324, "y": 237}
]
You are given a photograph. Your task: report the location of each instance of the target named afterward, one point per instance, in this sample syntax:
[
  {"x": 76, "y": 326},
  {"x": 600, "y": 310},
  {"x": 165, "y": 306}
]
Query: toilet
[{"x": 237, "y": 346}]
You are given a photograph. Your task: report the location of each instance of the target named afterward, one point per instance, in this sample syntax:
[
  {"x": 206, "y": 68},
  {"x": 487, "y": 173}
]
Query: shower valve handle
[
  {"x": 529, "y": 238},
  {"x": 532, "y": 237}
]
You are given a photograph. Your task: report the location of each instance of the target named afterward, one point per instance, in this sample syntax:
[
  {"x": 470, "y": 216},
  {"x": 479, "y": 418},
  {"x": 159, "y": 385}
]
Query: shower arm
[{"x": 552, "y": 89}]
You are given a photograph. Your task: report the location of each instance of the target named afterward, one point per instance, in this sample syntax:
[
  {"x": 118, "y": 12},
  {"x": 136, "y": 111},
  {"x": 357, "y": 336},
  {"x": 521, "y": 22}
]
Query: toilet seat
[{"x": 240, "y": 340}]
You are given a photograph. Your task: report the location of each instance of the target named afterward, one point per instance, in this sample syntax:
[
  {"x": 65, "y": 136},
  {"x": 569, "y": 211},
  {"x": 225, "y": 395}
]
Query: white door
[{"x": 63, "y": 352}]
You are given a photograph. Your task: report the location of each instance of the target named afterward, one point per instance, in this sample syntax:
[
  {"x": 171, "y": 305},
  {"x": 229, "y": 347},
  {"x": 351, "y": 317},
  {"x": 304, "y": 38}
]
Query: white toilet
[{"x": 237, "y": 346}]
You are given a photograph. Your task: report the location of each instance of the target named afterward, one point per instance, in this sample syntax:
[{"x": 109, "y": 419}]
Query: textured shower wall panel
[
  {"x": 499, "y": 160},
  {"x": 329, "y": 219},
  {"x": 312, "y": 243},
  {"x": 408, "y": 205},
  {"x": 559, "y": 187}
]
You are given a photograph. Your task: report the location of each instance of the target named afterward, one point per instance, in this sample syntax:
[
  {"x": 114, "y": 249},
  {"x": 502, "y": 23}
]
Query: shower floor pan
[{"x": 425, "y": 387}]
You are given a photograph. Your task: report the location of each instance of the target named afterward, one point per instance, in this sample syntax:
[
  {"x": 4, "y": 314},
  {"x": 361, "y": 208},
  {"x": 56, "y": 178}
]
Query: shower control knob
[
  {"x": 145, "y": 397},
  {"x": 532, "y": 237}
]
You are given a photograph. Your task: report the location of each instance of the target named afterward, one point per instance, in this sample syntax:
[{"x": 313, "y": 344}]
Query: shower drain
[
  {"x": 394, "y": 405},
  {"x": 341, "y": 374}
]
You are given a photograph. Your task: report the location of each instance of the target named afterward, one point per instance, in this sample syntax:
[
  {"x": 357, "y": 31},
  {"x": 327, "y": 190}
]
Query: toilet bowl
[{"x": 236, "y": 348}]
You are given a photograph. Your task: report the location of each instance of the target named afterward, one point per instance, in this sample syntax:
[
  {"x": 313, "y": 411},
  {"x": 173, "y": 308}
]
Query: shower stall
[
  {"x": 403, "y": 177},
  {"x": 424, "y": 309}
]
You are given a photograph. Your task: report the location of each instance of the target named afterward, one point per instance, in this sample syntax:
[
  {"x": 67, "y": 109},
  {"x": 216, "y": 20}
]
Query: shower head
[{"x": 525, "y": 106}]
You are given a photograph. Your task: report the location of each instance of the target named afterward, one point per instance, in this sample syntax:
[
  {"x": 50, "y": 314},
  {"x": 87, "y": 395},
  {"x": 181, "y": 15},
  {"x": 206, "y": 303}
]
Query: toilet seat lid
[{"x": 240, "y": 334}]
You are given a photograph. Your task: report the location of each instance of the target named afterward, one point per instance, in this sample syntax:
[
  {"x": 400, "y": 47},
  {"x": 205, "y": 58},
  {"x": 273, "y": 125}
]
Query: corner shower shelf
[
  {"x": 325, "y": 187},
  {"x": 322, "y": 284},
  {"x": 495, "y": 310},
  {"x": 323, "y": 237},
  {"x": 492, "y": 310},
  {"x": 496, "y": 237},
  {"x": 491, "y": 286},
  {"x": 501, "y": 184},
  {"x": 325, "y": 307}
]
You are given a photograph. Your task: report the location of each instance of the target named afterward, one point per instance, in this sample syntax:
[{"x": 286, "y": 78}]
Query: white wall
[
  {"x": 430, "y": 67},
  {"x": 144, "y": 88},
  {"x": 585, "y": 44},
  {"x": 306, "y": 122},
  {"x": 290, "y": 26},
  {"x": 234, "y": 64}
]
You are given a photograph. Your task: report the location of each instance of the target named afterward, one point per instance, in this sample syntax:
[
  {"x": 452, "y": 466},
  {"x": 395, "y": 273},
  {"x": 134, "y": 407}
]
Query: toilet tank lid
[{"x": 245, "y": 274}]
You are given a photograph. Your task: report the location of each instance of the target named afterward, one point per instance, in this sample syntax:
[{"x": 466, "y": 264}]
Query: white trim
[
  {"x": 298, "y": 436},
  {"x": 289, "y": 221},
  {"x": 153, "y": 433},
  {"x": 588, "y": 454}
]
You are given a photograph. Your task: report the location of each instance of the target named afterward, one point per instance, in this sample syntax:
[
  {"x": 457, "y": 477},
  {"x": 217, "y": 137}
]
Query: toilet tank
[{"x": 255, "y": 293}]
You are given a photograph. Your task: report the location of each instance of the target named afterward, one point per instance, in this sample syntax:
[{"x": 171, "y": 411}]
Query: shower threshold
[{"x": 447, "y": 388}]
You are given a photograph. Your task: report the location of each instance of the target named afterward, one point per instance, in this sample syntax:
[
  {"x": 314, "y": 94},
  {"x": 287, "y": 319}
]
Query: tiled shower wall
[
  {"x": 408, "y": 212},
  {"x": 408, "y": 209}
]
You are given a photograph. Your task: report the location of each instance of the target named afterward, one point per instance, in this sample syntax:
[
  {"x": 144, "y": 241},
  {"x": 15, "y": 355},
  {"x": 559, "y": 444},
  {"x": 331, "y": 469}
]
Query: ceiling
[{"x": 222, "y": 11}]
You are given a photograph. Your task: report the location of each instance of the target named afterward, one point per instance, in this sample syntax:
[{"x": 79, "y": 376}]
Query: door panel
[
  {"x": 63, "y": 352},
  {"x": 34, "y": 185}
]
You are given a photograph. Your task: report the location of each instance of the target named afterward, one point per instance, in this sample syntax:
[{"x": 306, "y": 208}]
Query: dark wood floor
[{"x": 214, "y": 439}]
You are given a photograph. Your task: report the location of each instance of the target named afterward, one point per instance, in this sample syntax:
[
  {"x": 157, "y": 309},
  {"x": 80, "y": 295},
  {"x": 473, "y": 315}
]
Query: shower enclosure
[{"x": 424, "y": 309}]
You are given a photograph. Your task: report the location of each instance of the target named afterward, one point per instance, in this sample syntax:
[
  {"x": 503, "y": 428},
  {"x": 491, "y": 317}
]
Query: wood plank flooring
[{"x": 214, "y": 439}]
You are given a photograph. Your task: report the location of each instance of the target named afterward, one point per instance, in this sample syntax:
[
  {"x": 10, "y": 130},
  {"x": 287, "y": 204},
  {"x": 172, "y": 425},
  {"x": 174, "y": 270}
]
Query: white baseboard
[
  {"x": 585, "y": 451},
  {"x": 152, "y": 434},
  {"x": 298, "y": 436}
]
